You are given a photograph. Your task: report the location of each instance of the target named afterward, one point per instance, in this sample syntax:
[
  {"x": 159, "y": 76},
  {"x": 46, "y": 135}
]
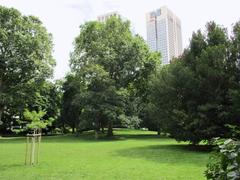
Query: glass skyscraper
[{"x": 164, "y": 33}]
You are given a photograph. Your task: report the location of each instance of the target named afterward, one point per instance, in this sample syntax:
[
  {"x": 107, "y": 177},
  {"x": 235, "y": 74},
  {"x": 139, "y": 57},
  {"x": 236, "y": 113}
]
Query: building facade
[
  {"x": 104, "y": 17},
  {"x": 164, "y": 33}
]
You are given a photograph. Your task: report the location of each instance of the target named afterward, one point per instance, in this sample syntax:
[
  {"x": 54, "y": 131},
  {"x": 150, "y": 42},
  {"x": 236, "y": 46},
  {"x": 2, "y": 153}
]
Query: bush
[
  {"x": 225, "y": 163},
  {"x": 130, "y": 121}
]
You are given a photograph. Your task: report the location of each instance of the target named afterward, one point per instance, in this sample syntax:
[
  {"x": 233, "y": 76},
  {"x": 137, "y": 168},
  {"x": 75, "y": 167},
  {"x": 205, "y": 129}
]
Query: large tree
[
  {"x": 25, "y": 55},
  {"x": 72, "y": 104},
  {"x": 103, "y": 103},
  {"x": 196, "y": 95},
  {"x": 123, "y": 56}
]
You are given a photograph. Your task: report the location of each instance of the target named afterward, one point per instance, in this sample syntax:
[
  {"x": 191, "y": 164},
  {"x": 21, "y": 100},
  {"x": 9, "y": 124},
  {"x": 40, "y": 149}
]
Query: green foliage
[
  {"x": 195, "y": 96},
  {"x": 234, "y": 131},
  {"x": 130, "y": 121},
  {"x": 225, "y": 163},
  {"x": 35, "y": 119},
  {"x": 72, "y": 103},
  {"x": 112, "y": 67},
  {"x": 102, "y": 102},
  {"x": 124, "y": 56},
  {"x": 25, "y": 61}
]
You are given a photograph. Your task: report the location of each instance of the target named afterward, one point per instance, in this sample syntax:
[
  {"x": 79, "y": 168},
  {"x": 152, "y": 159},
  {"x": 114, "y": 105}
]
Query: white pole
[
  {"x": 38, "y": 141},
  {"x": 33, "y": 148},
  {"x": 26, "y": 155}
]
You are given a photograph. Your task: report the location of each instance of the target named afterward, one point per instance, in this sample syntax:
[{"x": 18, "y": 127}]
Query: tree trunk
[
  {"x": 96, "y": 134},
  {"x": 103, "y": 130},
  {"x": 1, "y": 123},
  {"x": 101, "y": 127},
  {"x": 63, "y": 128},
  {"x": 73, "y": 129},
  {"x": 110, "y": 129},
  {"x": 158, "y": 130},
  {"x": 98, "y": 127},
  {"x": 1, "y": 113},
  {"x": 1, "y": 105}
]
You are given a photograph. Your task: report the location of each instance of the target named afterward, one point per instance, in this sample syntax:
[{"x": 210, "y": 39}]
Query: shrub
[
  {"x": 225, "y": 163},
  {"x": 130, "y": 121}
]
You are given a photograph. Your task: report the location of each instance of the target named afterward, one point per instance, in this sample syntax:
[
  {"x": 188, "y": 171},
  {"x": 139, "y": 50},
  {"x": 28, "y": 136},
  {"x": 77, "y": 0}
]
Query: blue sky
[{"x": 63, "y": 17}]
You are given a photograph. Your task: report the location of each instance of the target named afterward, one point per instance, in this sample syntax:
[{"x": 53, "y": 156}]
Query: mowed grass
[{"x": 130, "y": 155}]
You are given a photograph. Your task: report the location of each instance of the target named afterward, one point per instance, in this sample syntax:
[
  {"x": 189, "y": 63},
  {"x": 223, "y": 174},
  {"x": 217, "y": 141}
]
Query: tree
[
  {"x": 35, "y": 120},
  {"x": 25, "y": 55},
  {"x": 48, "y": 98},
  {"x": 35, "y": 96},
  {"x": 102, "y": 101},
  {"x": 124, "y": 57},
  {"x": 171, "y": 87},
  {"x": 71, "y": 102},
  {"x": 196, "y": 95}
]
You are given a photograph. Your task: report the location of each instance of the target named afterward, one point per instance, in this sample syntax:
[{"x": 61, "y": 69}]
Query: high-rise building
[
  {"x": 164, "y": 33},
  {"x": 104, "y": 17}
]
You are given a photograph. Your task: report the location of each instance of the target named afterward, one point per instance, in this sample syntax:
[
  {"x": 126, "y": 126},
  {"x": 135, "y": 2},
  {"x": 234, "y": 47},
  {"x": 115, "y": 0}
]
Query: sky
[{"x": 62, "y": 18}]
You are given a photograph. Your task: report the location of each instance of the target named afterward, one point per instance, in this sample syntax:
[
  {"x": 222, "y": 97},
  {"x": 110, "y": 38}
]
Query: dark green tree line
[
  {"x": 198, "y": 94},
  {"x": 25, "y": 63},
  {"x": 113, "y": 66}
]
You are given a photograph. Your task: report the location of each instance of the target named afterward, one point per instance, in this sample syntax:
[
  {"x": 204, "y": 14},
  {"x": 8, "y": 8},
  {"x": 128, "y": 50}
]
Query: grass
[{"x": 130, "y": 155}]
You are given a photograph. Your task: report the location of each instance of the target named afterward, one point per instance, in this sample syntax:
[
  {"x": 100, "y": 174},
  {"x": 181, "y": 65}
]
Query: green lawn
[{"x": 131, "y": 155}]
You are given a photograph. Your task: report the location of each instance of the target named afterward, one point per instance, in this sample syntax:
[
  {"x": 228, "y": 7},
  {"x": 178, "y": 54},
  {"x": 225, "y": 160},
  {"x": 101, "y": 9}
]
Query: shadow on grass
[
  {"x": 5, "y": 167},
  {"x": 173, "y": 154},
  {"x": 84, "y": 137},
  {"x": 12, "y": 139},
  {"x": 89, "y": 137},
  {"x": 67, "y": 138}
]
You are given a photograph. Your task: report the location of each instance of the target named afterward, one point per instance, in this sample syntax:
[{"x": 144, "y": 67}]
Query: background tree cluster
[
  {"x": 195, "y": 96},
  {"x": 110, "y": 68},
  {"x": 25, "y": 63},
  {"x": 116, "y": 81}
]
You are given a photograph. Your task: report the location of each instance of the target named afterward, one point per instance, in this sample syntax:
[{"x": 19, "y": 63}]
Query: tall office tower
[
  {"x": 104, "y": 17},
  {"x": 164, "y": 33}
]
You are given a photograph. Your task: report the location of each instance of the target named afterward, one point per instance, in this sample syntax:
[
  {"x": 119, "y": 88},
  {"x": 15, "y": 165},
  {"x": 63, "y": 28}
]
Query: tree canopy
[
  {"x": 196, "y": 95},
  {"x": 110, "y": 63},
  {"x": 25, "y": 58}
]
